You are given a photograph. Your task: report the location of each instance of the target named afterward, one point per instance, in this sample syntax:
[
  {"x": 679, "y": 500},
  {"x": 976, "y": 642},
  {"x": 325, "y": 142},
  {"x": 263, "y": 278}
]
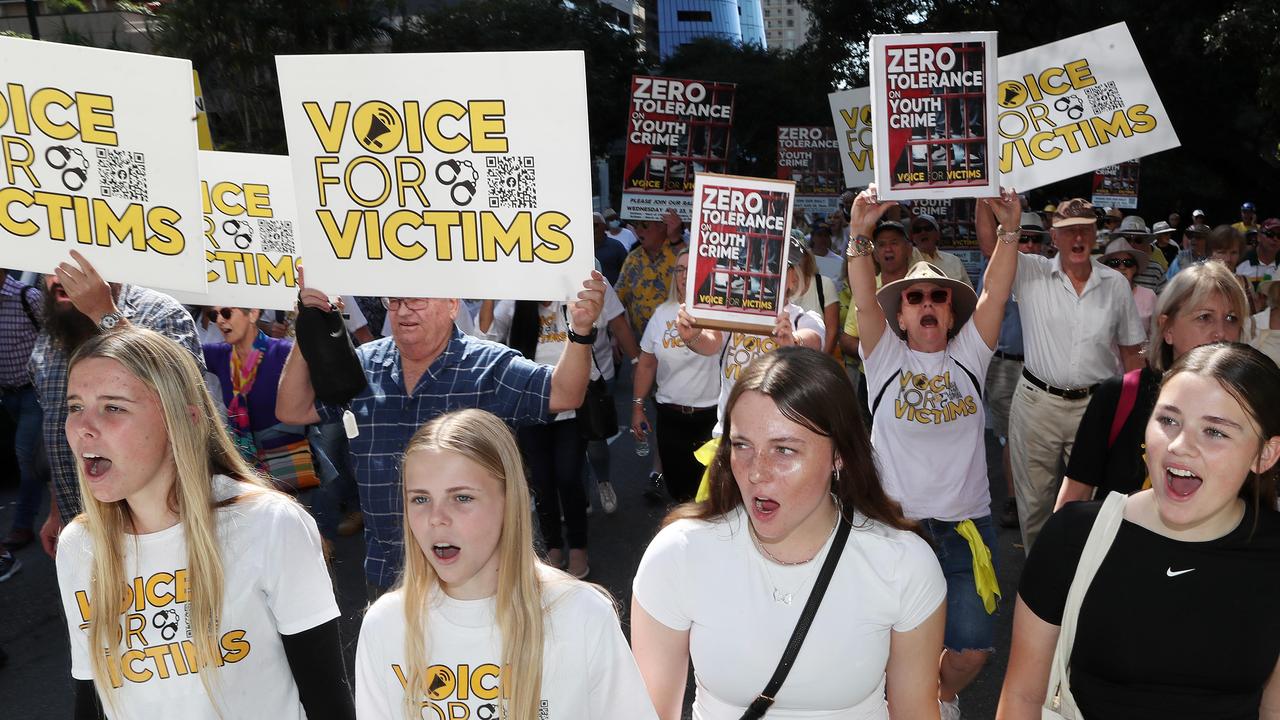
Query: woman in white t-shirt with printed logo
[
  {"x": 724, "y": 583},
  {"x": 183, "y": 553},
  {"x": 478, "y": 627},
  {"x": 687, "y": 393},
  {"x": 926, "y": 341}
]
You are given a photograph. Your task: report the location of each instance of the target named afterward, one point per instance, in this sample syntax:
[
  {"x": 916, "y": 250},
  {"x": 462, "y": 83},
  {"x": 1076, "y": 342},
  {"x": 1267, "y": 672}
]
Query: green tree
[
  {"x": 612, "y": 54},
  {"x": 233, "y": 44}
]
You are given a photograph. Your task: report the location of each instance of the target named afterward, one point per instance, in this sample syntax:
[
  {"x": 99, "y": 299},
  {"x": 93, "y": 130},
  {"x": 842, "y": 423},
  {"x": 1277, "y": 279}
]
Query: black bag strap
[
  {"x": 822, "y": 297},
  {"x": 764, "y": 701},
  {"x": 875, "y": 405}
]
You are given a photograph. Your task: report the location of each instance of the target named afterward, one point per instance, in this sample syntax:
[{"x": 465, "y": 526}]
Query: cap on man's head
[
  {"x": 1271, "y": 224},
  {"x": 1031, "y": 224},
  {"x": 1076, "y": 211},
  {"x": 798, "y": 249},
  {"x": 1050, "y": 208},
  {"x": 1248, "y": 206},
  {"x": 1162, "y": 228},
  {"x": 610, "y": 213},
  {"x": 820, "y": 227},
  {"x": 1197, "y": 213},
  {"x": 1198, "y": 229},
  {"x": 1134, "y": 225},
  {"x": 924, "y": 218},
  {"x": 1113, "y": 213},
  {"x": 888, "y": 225}
]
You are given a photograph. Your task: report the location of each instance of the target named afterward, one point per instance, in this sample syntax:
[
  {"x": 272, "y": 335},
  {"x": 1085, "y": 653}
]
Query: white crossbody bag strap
[{"x": 1059, "y": 702}]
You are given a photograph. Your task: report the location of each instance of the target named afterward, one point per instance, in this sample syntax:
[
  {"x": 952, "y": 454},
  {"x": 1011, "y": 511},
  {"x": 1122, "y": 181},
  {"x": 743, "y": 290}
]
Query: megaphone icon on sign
[{"x": 379, "y": 123}]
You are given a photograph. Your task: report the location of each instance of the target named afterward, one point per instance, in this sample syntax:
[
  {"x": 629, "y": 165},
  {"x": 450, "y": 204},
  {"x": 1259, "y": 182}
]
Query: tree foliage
[
  {"x": 612, "y": 54},
  {"x": 233, "y": 44}
]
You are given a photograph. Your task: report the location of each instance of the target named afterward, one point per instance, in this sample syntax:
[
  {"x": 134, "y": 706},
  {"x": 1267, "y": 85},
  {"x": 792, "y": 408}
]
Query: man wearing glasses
[
  {"x": 1073, "y": 312},
  {"x": 425, "y": 369}
]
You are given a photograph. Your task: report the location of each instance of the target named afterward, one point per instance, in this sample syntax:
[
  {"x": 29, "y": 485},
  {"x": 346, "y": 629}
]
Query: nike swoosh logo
[
  {"x": 335, "y": 334},
  {"x": 1171, "y": 573}
]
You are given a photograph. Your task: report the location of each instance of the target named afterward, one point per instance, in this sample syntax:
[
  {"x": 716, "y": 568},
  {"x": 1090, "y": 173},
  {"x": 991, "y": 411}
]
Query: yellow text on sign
[
  {"x": 448, "y": 126},
  {"x": 232, "y": 199},
  {"x": 58, "y": 114}
]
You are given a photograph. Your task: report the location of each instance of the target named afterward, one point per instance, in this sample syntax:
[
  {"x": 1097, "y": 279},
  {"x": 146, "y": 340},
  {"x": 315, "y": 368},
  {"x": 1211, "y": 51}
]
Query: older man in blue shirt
[{"x": 425, "y": 369}]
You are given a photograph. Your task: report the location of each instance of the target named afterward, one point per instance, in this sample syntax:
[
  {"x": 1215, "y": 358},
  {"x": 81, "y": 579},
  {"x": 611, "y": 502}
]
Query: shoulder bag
[
  {"x": 764, "y": 700},
  {"x": 1059, "y": 703}
]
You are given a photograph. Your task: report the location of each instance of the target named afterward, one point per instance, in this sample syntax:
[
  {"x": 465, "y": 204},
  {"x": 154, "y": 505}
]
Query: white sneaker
[
  {"x": 608, "y": 498},
  {"x": 950, "y": 710}
]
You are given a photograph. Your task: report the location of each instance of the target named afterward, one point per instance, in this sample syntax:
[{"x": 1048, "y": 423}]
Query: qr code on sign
[
  {"x": 1104, "y": 98},
  {"x": 122, "y": 174},
  {"x": 277, "y": 236},
  {"x": 512, "y": 182}
]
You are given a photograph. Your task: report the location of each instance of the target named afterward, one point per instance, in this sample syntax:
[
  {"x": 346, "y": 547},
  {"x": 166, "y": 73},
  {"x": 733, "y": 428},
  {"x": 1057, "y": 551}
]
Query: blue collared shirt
[
  {"x": 470, "y": 373},
  {"x": 1010, "y": 341},
  {"x": 18, "y": 330}
]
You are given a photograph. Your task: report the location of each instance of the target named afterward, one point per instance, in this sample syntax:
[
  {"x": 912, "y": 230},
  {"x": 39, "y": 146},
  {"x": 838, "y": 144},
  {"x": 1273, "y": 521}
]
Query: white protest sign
[
  {"x": 933, "y": 109},
  {"x": 441, "y": 175},
  {"x": 1077, "y": 105},
  {"x": 851, "y": 117},
  {"x": 250, "y": 231},
  {"x": 99, "y": 154}
]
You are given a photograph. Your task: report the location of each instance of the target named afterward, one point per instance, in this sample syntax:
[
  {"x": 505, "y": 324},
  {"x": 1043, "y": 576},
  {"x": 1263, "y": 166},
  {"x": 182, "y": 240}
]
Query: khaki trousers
[{"x": 1042, "y": 430}]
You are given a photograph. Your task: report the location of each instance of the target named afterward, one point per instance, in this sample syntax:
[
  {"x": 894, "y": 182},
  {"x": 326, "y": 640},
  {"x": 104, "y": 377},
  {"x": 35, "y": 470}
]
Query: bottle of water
[{"x": 642, "y": 445}]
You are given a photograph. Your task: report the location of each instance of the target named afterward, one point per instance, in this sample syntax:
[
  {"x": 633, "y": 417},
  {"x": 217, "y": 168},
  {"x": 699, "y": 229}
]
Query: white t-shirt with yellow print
[
  {"x": 741, "y": 348},
  {"x": 588, "y": 672},
  {"x": 928, "y": 428},
  {"x": 275, "y": 583}
]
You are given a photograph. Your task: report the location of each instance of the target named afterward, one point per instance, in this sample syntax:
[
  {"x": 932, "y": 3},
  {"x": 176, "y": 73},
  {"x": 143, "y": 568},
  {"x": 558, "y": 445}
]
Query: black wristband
[{"x": 588, "y": 339}]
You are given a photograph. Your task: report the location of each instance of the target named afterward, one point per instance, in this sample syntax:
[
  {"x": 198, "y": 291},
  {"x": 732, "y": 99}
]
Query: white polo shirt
[{"x": 1068, "y": 337}]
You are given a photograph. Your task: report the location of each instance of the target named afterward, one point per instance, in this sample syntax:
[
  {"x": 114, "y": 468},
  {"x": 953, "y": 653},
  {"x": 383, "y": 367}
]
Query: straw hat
[
  {"x": 1120, "y": 246},
  {"x": 963, "y": 298}
]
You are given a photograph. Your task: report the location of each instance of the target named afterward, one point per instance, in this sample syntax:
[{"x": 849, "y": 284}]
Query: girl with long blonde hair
[
  {"x": 190, "y": 588},
  {"x": 478, "y": 626}
]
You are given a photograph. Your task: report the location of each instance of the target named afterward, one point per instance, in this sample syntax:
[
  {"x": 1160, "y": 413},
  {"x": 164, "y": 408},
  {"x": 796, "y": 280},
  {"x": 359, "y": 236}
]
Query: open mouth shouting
[
  {"x": 929, "y": 320},
  {"x": 1180, "y": 483},
  {"x": 764, "y": 508},
  {"x": 95, "y": 465},
  {"x": 445, "y": 553}
]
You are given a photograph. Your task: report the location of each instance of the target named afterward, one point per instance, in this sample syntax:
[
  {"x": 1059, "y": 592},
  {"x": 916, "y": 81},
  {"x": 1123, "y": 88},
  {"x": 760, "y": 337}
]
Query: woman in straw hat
[
  {"x": 926, "y": 342},
  {"x": 1131, "y": 263}
]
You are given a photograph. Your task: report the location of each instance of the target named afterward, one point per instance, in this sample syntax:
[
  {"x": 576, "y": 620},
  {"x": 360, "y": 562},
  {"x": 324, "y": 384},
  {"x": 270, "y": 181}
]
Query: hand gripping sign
[
  {"x": 737, "y": 276},
  {"x": 441, "y": 175},
  {"x": 933, "y": 109},
  {"x": 98, "y": 162},
  {"x": 250, "y": 232}
]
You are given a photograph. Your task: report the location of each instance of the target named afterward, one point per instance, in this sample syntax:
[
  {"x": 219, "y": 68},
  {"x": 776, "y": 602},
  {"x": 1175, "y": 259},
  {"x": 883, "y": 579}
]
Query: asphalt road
[{"x": 35, "y": 682}]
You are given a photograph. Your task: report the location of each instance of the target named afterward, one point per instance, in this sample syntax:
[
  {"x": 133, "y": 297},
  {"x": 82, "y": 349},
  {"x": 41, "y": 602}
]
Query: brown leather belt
[{"x": 1064, "y": 393}]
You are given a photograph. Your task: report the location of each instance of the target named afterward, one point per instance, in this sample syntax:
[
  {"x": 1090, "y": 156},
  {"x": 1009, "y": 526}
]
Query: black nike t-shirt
[
  {"x": 1120, "y": 466},
  {"x": 1167, "y": 629}
]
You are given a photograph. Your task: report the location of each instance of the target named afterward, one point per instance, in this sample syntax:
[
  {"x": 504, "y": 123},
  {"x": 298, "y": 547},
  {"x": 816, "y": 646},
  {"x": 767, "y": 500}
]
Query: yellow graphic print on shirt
[
  {"x": 935, "y": 400},
  {"x": 671, "y": 336},
  {"x": 547, "y": 331},
  {"x": 743, "y": 348},
  {"x": 155, "y": 631},
  {"x": 459, "y": 692}
]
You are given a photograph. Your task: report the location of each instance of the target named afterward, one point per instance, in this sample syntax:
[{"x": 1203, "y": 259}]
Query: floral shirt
[{"x": 643, "y": 284}]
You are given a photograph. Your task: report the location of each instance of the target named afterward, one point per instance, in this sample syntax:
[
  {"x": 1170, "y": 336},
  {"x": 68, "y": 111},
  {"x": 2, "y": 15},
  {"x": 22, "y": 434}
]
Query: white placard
[
  {"x": 250, "y": 232},
  {"x": 99, "y": 154},
  {"x": 441, "y": 175},
  {"x": 851, "y": 117},
  {"x": 1076, "y": 105}
]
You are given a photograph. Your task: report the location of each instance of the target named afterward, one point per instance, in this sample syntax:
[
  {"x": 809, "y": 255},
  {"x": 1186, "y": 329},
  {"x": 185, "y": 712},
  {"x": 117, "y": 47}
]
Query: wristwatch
[
  {"x": 859, "y": 246},
  {"x": 588, "y": 339},
  {"x": 110, "y": 321}
]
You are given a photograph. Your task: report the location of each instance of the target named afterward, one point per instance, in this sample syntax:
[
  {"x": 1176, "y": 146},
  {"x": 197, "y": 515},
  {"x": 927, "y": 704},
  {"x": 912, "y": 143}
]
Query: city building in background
[
  {"x": 682, "y": 21},
  {"x": 786, "y": 24}
]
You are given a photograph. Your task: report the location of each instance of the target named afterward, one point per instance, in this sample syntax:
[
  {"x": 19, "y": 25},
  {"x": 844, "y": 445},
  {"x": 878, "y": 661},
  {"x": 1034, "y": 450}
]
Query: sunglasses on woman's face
[
  {"x": 937, "y": 296},
  {"x": 1120, "y": 262},
  {"x": 224, "y": 312}
]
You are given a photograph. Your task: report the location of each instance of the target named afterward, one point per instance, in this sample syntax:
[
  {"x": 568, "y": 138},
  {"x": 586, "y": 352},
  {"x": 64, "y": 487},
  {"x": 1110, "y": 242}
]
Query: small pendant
[{"x": 781, "y": 597}]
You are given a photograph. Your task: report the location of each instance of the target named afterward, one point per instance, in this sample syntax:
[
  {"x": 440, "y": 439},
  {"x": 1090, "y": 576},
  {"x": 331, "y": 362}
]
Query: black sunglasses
[
  {"x": 213, "y": 314},
  {"x": 937, "y": 297},
  {"x": 1120, "y": 262}
]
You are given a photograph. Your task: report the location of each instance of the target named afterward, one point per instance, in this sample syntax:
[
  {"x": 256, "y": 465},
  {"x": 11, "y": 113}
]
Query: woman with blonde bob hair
[
  {"x": 225, "y": 605},
  {"x": 1202, "y": 304},
  {"x": 477, "y": 622}
]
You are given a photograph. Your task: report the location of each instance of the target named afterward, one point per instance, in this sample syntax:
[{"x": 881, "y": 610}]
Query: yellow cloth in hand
[
  {"x": 705, "y": 455},
  {"x": 984, "y": 572}
]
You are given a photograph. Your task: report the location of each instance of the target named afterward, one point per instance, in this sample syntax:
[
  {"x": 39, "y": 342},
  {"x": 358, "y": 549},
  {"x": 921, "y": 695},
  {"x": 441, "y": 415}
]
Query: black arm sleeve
[
  {"x": 88, "y": 707},
  {"x": 1088, "y": 463},
  {"x": 1051, "y": 565},
  {"x": 315, "y": 659}
]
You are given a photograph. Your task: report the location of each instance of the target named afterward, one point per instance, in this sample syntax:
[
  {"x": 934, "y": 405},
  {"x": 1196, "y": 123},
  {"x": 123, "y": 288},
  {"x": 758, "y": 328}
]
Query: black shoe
[
  {"x": 18, "y": 538},
  {"x": 653, "y": 490},
  {"x": 1009, "y": 516}
]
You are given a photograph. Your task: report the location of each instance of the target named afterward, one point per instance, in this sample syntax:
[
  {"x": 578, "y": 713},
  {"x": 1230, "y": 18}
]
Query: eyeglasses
[
  {"x": 213, "y": 314},
  {"x": 936, "y": 296},
  {"x": 681, "y": 270},
  {"x": 1026, "y": 239},
  {"x": 1120, "y": 262},
  {"x": 394, "y": 303}
]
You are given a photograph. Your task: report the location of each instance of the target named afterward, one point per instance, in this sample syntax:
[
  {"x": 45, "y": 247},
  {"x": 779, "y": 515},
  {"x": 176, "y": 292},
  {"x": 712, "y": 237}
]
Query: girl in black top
[
  {"x": 1180, "y": 619},
  {"x": 1202, "y": 304}
]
